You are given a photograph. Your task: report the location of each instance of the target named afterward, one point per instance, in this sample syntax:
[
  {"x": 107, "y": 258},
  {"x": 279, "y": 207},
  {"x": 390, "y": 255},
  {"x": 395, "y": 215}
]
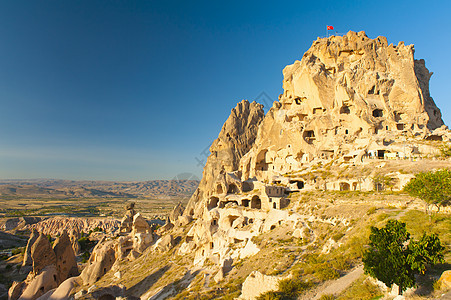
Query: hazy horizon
[{"x": 135, "y": 91}]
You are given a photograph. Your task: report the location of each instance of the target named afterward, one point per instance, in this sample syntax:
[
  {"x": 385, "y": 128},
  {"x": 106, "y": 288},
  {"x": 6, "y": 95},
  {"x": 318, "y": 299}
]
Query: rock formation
[
  {"x": 42, "y": 254},
  {"x": 176, "y": 213},
  {"x": 257, "y": 283},
  {"x": 102, "y": 259},
  {"x": 350, "y": 101},
  {"x": 51, "y": 266},
  {"x": 235, "y": 139},
  {"x": 135, "y": 236},
  {"x": 127, "y": 220},
  {"x": 27, "y": 260},
  {"x": 341, "y": 101},
  {"x": 57, "y": 225},
  {"x": 141, "y": 233},
  {"x": 66, "y": 263}
]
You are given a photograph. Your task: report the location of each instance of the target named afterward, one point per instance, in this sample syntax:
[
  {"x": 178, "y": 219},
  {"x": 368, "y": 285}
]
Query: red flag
[{"x": 330, "y": 27}]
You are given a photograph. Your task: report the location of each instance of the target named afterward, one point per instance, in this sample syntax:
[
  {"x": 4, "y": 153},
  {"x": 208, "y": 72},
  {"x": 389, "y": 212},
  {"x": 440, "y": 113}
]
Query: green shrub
[
  {"x": 17, "y": 251},
  {"x": 327, "y": 297},
  {"x": 271, "y": 296},
  {"x": 326, "y": 272},
  {"x": 336, "y": 237},
  {"x": 85, "y": 256},
  {"x": 371, "y": 211},
  {"x": 361, "y": 289},
  {"x": 288, "y": 289}
]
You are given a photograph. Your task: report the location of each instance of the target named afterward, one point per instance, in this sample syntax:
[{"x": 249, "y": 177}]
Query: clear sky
[{"x": 137, "y": 90}]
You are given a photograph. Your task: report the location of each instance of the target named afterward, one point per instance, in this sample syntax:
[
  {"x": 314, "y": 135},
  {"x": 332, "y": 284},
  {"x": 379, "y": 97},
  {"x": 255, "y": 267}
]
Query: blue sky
[{"x": 136, "y": 90}]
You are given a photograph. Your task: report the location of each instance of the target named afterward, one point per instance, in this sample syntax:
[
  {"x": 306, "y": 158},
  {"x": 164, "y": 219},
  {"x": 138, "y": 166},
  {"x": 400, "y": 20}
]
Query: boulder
[
  {"x": 176, "y": 212},
  {"x": 299, "y": 233},
  {"x": 133, "y": 255},
  {"x": 183, "y": 220},
  {"x": 166, "y": 227},
  {"x": 165, "y": 243},
  {"x": 444, "y": 281},
  {"x": 257, "y": 283}
]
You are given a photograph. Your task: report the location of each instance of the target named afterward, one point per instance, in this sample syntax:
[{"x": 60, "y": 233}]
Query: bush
[
  {"x": 17, "y": 251},
  {"x": 271, "y": 296},
  {"x": 85, "y": 256},
  {"x": 371, "y": 211},
  {"x": 327, "y": 297},
  {"x": 326, "y": 272},
  {"x": 362, "y": 289},
  {"x": 288, "y": 289}
]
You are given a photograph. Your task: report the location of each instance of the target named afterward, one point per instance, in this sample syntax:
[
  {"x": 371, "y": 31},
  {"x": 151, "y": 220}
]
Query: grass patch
[{"x": 362, "y": 289}]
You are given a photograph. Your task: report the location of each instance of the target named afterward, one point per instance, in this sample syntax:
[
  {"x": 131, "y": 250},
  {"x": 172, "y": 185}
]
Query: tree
[
  {"x": 434, "y": 188},
  {"x": 395, "y": 258},
  {"x": 381, "y": 182}
]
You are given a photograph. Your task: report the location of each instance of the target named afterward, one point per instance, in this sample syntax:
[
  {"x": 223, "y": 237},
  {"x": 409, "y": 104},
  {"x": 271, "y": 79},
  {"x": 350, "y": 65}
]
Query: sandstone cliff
[
  {"x": 348, "y": 96},
  {"x": 235, "y": 139},
  {"x": 350, "y": 101}
]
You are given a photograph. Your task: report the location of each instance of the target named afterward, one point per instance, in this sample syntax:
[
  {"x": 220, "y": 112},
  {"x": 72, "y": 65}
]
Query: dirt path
[{"x": 338, "y": 285}]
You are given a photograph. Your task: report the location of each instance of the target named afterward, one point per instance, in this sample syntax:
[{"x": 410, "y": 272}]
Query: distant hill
[{"x": 161, "y": 189}]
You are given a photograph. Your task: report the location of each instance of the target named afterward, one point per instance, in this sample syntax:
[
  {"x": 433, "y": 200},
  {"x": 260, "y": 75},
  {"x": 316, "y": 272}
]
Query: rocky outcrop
[
  {"x": 15, "y": 290},
  {"x": 134, "y": 237},
  {"x": 42, "y": 283},
  {"x": 27, "y": 260},
  {"x": 141, "y": 233},
  {"x": 350, "y": 101},
  {"x": 101, "y": 260},
  {"x": 57, "y": 225},
  {"x": 444, "y": 281},
  {"x": 165, "y": 243},
  {"x": 176, "y": 213},
  {"x": 51, "y": 266},
  {"x": 18, "y": 223},
  {"x": 74, "y": 236},
  {"x": 63, "y": 291},
  {"x": 257, "y": 283},
  {"x": 127, "y": 220},
  {"x": 42, "y": 254},
  {"x": 65, "y": 257},
  {"x": 235, "y": 139},
  {"x": 345, "y": 97}
]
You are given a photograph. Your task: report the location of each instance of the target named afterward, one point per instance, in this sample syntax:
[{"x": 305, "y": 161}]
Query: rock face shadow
[
  {"x": 147, "y": 282},
  {"x": 175, "y": 287}
]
